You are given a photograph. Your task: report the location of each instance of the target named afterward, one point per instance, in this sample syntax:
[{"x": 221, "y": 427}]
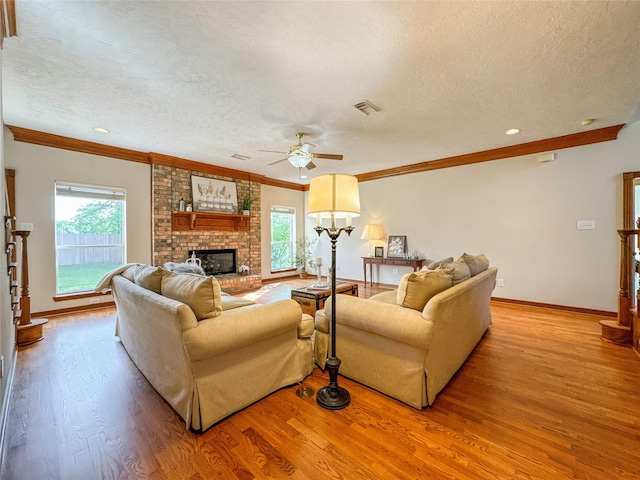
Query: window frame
[
  {"x": 288, "y": 210},
  {"x": 91, "y": 192}
]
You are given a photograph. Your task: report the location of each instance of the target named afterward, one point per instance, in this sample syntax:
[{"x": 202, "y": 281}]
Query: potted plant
[
  {"x": 246, "y": 202},
  {"x": 304, "y": 256}
]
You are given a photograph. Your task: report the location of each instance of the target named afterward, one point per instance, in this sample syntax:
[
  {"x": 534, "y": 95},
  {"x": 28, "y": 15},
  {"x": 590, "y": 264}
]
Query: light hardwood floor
[{"x": 541, "y": 397}]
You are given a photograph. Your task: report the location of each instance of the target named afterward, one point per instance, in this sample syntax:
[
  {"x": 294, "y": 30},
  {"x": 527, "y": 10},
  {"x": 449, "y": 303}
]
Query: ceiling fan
[{"x": 300, "y": 155}]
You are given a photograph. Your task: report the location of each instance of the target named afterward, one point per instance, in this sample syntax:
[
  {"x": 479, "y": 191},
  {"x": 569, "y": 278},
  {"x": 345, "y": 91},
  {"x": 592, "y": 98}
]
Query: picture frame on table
[
  {"x": 211, "y": 195},
  {"x": 379, "y": 252},
  {"x": 397, "y": 246}
]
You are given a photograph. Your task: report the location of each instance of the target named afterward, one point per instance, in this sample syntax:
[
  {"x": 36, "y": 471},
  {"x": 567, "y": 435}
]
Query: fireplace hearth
[{"x": 217, "y": 261}]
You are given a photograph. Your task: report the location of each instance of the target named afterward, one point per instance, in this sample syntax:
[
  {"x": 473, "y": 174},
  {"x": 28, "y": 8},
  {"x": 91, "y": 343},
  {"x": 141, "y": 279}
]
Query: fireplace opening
[{"x": 216, "y": 262}]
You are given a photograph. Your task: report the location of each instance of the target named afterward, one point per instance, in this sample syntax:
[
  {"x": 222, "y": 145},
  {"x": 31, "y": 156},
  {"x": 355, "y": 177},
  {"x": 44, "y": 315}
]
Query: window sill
[
  {"x": 288, "y": 270},
  {"x": 77, "y": 296}
]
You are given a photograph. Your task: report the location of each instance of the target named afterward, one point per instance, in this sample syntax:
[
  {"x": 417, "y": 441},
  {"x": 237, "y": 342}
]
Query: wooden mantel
[{"x": 225, "y": 222}]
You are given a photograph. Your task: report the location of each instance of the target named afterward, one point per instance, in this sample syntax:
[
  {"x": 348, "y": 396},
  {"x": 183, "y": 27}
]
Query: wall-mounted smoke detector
[
  {"x": 237, "y": 156},
  {"x": 367, "y": 107}
]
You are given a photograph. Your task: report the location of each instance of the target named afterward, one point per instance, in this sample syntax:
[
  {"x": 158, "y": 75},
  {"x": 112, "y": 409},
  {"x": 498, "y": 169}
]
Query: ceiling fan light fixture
[{"x": 300, "y": 160}]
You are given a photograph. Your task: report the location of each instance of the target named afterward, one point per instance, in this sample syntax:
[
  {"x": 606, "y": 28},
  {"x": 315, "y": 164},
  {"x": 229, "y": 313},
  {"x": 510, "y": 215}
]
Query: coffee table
[{"x": 312, "y": 299}]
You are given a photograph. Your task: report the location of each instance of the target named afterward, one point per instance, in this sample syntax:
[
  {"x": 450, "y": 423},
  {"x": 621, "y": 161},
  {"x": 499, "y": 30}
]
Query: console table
[{"x": 416, "y": 263}]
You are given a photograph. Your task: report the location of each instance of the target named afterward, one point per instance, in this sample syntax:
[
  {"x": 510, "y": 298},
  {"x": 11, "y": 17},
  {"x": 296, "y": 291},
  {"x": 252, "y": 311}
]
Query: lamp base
[
  {"x": 333, "y": 397},
  {"x": 304, "y": 392}
]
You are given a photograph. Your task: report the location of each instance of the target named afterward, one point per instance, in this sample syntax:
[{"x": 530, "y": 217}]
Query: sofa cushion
[
  {"x": 230, "y": 302},
  {"x": 459, "y": 271},
  {"x": 148, "y": 277},
  {"x": 390, "y": 296},
  {"x": 129, "y": 272},
  {"x": 476, "y": 263},
  {"x": 417, "y": 288},
  {"x": 436, "y": 264},
  {"x": 202, "y": 294}
]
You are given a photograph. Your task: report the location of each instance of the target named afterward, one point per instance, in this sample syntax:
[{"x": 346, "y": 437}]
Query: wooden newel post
[
  {"x": 28, "y": 331},
  {"x": 620, "y": 331}
]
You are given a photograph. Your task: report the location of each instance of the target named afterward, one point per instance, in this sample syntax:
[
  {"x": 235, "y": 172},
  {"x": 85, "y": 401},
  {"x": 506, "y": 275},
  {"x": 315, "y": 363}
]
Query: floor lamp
[{"x": 333, "y": 196}]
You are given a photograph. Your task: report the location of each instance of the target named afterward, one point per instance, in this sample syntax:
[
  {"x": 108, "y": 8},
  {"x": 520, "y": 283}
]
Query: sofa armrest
[
  {"x": 241, "y": 327},
  {"x": 393, "y": 321}
]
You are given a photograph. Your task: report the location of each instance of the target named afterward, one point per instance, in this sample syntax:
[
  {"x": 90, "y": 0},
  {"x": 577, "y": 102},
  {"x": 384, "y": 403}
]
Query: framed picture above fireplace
[{"x": 211, "y": 195}]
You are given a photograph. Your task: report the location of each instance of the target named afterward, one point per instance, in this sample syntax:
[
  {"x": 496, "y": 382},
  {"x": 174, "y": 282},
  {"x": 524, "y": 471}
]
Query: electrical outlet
[
  {"x": 586, "y": 225},
  {"x": 500, "y": 282},
  {"x": 26, "y": 226},
  {"x": 394, "y": 271},
  {"x": 94, "y": 300}
]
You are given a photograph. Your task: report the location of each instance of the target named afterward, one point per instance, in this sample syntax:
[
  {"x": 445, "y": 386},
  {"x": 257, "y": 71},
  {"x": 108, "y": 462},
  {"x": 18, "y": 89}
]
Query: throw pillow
[
  {"x": 148, "y": 277},
  {"x": 477, "y": 263},
  {"x": 417, "y": 288},
  {"x": 202, "y": 294},
  {"x": 434, "y": 265},
  {"x": 185, "y": 267},
  {"x": 459, "y": 271}
]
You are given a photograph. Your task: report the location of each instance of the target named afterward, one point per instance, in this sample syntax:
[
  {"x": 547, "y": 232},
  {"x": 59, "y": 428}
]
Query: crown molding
[
  {"x": 539, "y": 146},
  {"x": 83, "y": 146},
  {"x": 183, "y": 163},
  {"x": 66, "y": 143}
]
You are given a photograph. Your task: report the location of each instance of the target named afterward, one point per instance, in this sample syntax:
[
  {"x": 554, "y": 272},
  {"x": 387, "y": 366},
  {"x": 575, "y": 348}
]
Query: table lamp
[
  {"x": 333, "y": 196},
  {"x": 371, "y": 232}
]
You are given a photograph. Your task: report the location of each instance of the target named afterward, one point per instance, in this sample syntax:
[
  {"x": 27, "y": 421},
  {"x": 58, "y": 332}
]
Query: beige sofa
[
  {"x": 206, "y": 353},
  {"x": 406, "y": 353}
]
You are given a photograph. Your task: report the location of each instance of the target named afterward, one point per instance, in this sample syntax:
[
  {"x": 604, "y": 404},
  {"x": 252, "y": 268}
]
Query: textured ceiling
[{"x": 206, "y": 80}]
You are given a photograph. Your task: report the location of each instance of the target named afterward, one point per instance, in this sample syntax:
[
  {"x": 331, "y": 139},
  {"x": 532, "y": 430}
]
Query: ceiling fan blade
[
  {"x": 311, "y": 166},
  {"x": 271, "y": 151},
  {"x": 328, "y": 156},
  {"x": 278, "y": 161}
]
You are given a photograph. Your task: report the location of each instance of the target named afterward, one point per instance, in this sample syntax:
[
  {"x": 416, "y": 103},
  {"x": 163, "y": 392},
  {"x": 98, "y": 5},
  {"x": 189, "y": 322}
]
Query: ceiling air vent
[
  {"x": 367, "y": 107},
  {"x": 244, "y": 158}
]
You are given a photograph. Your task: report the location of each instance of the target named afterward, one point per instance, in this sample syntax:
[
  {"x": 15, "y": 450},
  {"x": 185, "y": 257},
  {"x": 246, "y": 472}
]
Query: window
[
  {"x": 90, "y": 235},
  {"x": 283, "y": 235}
]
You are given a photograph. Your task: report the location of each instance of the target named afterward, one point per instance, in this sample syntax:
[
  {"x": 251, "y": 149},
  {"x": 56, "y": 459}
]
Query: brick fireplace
[{"x": 169, "y": 185}]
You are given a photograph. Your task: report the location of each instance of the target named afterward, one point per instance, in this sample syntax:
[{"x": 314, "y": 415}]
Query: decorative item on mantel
[
  {"x": 211, "y": 195},
  {"x": 244, "y": 270},
  {"x": 246, "y": 202}
]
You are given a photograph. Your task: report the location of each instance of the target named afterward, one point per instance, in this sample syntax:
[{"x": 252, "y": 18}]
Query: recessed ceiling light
[
  {"x": 587, "y": 122},
  {"x": 513, "y": 131},
  {"x": 100, "y": 130}
]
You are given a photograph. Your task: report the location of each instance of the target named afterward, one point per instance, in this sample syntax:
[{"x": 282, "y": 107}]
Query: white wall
[
  {"x": 276, "y": 196},
  {"x": 522, "y": 214},
  {"x": 7, "y": 330},
  {"x": 37, "y": 169}
]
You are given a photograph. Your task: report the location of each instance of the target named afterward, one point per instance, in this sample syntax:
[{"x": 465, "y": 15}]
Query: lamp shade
[
  {"x": 335, "y": 194},
  {"x": 371, "y": 232}
]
